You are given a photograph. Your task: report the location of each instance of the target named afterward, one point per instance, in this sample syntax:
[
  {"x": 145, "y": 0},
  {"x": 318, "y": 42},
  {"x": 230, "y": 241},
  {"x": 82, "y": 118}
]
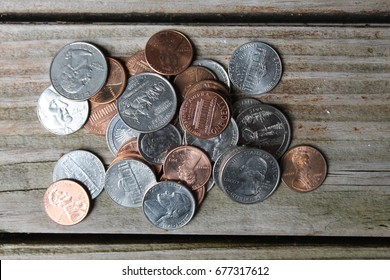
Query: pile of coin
[{"x": 173, "y": 127}]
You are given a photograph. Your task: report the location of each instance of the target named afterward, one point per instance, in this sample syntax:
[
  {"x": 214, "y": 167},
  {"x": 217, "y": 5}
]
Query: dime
[
  {"x": 115, "y": 84},
  {"x": 304, "y": 168},
  {"x": 99, "y": 117},
  {"x": 169, "y": 52},
  {"x": 78, "y": 71},
  {"x": 66, "y": 202},
  {"x": 190, "y": 76},
  {"x": 265, "y": 127},
  {"x": 205, "y": 114},
  {"x": 242, "y": 104},
  {"x": 154, "y": 146},
  {"x": 250, "y": 175},
  {"x": 137, "y": 64},
  {"x": 148, "y": 103},
  {"x": 255, "y": 68},
  {"x": 127, "y": 180},
  {"x": 84, "y": 167},
  {"x": 61, "y": 115},
  {"x": 217, "y": 69},
  {"x": 118, "y": 133},
  {"x": 168, "y": 205}
]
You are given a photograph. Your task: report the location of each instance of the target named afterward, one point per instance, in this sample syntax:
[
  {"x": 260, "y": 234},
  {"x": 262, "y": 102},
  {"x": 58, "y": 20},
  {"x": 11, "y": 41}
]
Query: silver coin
[
  {"x": 78, "y": 71},
  {"x": 154, "y": 146},
  {"x": 84, "y": 167},
  {"x": 265, "y": 127},
  {"x": 60, "y": 115},
  {"x": 216, "y": 68},
  {"x": 242, "y": 104},
  {"x": 148, "y": 103},
  {"x": 118, "y": 133},
  {"x": 217, "y": 145},
  {"x": 169, "y": 205},
  {"x": 127, "y": 180},
  {"x": 255, "y": 68},
  {"x": 250, "y": 175}
]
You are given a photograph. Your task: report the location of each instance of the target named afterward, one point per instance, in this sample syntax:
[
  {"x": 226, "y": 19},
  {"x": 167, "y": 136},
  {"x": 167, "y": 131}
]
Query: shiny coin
[
  {"x": 78, "y": 71},
  {"x": 168, "y": 205},
  {"x": 118, "y": 133},
  {"x": 208, "y": 85},
  {"x": 304, "y": 168},
  {"x": 60, "y": 115},
  {"x": 216, "y": 68},
  {"x": 84, "y": 167},
  {"x": 242, "y": 104},
  {"x": 66, "y": 202},
  {"x": 255, "y": 68},
  {"x": 99, "y": 117}
]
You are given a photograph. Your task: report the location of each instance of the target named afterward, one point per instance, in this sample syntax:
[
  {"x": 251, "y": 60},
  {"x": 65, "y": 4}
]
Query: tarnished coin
[
  {"x": 304, "y": 168},
  {"x": 66, "y": 202},
  {"x": 115, "y": 84},
  {"x": 78, "y": 71},
  {"x": 127, "y": 180},
  {"x": 242, "y": 104},
  {"x": 137, "y": 63},
  {"x": 208, "y": 85},
  {"x": 99, "y": 117},
  {"x": 217, "y": 69},
  {"x": 148, "y": 103},
  {"x": 154, "y": 146},
  {"x": 255, "y": 68},
  {"x": 84, "y": 167},
  {"x": 169, "y": 52},
  {"x": 205, "y": 114},
  {"x": 118, "y": 133},
  {"x": 265, "y": 127},
  {"x": 190, "y": 76},
  {"x": 250, "y": 175},
  {"x": 168, "y": 205},
  {"x": 60, "y": 115}
]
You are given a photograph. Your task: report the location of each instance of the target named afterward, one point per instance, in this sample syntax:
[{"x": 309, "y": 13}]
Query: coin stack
[{"x": 172, "y": 127}]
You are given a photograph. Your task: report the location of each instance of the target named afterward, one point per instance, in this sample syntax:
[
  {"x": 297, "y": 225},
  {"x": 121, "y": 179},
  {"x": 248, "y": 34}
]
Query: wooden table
[{"x": 335, "y": 90}]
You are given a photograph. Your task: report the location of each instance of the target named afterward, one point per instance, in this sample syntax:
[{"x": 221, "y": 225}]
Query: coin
[
  {"x": 208, "y": 85},
  {"x": 127, "y": 180},
  {"x": 169, "y": 52},
  {"x": 190, "y": 76},
  {"x": 60, "y": 115},
  {"x": 84, "y": 167},
  {"x": 115, "y": 84},
  {"x": 118, "y": 133},
  {"x": 204, "y": 114},
  {"x": 78, "y": 71},
  {"x": 304, "y": 168},
  {"x": 255, "y": 68},
  {"x": 66, "y": 202},
  {"x": 168, "y": 205},
  {"x": 265, "y": 127},
  {"x": 217, "y": 69},
  {"x": 242, "y": 104},
  {"x": 99, "y": 117},
  {"x": 137, "y": 64},
  {"x": 148, "y": 103}
]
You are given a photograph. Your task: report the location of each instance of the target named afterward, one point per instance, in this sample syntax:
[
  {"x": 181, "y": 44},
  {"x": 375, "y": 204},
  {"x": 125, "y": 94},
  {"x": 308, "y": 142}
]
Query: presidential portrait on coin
[
  {"x": 303, "y": 177},
  {"x": 252, "y": 177}
]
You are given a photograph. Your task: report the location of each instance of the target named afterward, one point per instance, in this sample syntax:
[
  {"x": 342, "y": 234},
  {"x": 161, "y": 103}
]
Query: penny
[
  {"x": 205, "y": 114},
  {"x": 128, "y": 147},
  {"x": 304, "y": 168},
  {"x": 84, "y": 167},
  {"x": 208, "y": 85},
  {"x": 217, "y": 69},
  {"x": 66, "y": 202},
  {"x": 99, "y": 117},
  {"x": 78, "y": 71},
  {"x": 148, "y": 103},
  {"x": 168, "y": 205},
  {"x": 199, "y": 195},
  {"x": 189, "y": 165},
  {"x": 255, "y": 68},
  {"x": 242, "y": 104},
  {"x": 265, "y": 127},
  {"x": 60, "y": 115},
  {"x": 169, "y": 52},
  {"x": 115, "y": 84},
  {"x": 137, "y": 63}
]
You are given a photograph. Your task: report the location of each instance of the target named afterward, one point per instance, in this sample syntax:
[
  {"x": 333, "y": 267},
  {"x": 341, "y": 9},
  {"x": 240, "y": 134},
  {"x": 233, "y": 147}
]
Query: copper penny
[
  {"x": 190, "y": 76},
  {"x": 169, "y": 52},
  {"x": 99, "y": 117},
  {"x": 304, "y": 168},
  {"x": 115, "y": 84},
  {"x": 66, "y": 202},
  {"x": 137, "y": 63},
  {"x": 130, "y": 146},
  {"x": 211, "y": 85},
  {"x": 189, "y": 165},
  {"x": 199, "y": 195},
  {"x": 204, "y": 114}
]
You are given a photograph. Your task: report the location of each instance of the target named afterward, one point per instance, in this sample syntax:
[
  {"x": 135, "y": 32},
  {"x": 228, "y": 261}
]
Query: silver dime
[
  {"x": 84, "y": 167},
  {"x": 217, "y": 145},
  {"x": 78, "y": 71},
  {"x": 242, "y": 104},
  {"x": 154, "y": 146},
  {"x": 148, "y": 103},
  {"x": 118, "y": 133},
  {"x": 168, "y": 205},
  {"x": 60, "y": 115},
  {"x": 216, "y": 68},
  {"x": 127, "y": 180},
  {"x": 250, "y": 175},
  {"x": 265, "y": 127},
  {"x": 255, "y": 68}
]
